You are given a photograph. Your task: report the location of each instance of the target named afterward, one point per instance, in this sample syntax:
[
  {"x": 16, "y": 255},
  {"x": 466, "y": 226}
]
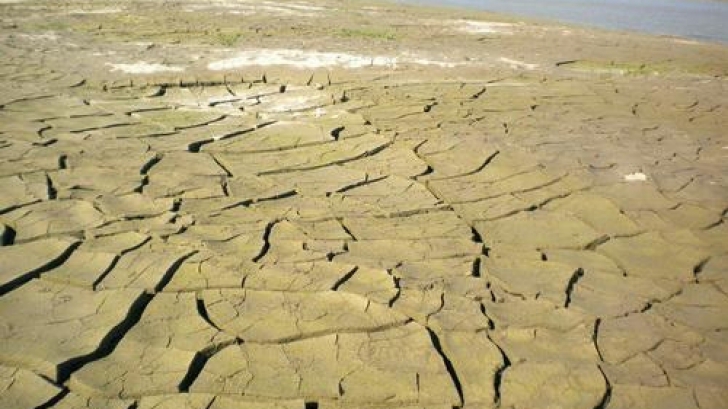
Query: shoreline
[
  {"x": 432, "y": 33},
  {"x": 554, "y": 19}
]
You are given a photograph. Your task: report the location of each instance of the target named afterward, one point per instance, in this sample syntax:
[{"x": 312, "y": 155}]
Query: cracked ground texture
[{"x": 438, "y": 226}]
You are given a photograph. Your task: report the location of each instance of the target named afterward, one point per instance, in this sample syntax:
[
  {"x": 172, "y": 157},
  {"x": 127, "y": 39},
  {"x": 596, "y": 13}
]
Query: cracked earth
[{"x": 239, "y": 204}]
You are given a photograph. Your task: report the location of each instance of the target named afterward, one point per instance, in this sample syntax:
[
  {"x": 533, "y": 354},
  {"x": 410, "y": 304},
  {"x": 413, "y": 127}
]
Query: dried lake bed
[{"x": 218, "y": 204}]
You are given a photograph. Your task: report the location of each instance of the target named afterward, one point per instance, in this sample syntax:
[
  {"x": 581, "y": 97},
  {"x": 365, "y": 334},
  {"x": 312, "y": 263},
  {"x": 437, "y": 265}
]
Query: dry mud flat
[{"x": 238, "y": 204}]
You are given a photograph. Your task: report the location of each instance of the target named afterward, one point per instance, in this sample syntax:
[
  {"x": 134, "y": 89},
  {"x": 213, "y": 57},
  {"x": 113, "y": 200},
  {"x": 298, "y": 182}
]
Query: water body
[{"x": 705, "y": 20}]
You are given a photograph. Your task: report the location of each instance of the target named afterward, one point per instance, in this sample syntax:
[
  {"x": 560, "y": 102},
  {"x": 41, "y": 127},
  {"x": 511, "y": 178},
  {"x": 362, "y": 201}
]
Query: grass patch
[
  {"x": 634, "y": 68},
  {"x": 227, "y": 39},
  {"x": 368, "y": 33}
]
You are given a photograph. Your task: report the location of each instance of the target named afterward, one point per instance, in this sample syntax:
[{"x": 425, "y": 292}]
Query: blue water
[{"x": 697, "y": 19}]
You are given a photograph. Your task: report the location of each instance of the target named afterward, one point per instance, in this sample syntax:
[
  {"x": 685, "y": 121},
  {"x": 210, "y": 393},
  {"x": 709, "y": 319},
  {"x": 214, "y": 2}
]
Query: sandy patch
[
  {"x": 258, "y": 7},
  {"x": 300, "y": 59},
  {"x": 470, "y": 26},
  {"x": 298, "y": 6},
  {"x": 142, "y": 67},
  {"x": 50, "y": 36},
  {"x": 442, "y": 64},
  {"x": 483, "y": 27},
  {"x": 635, "y": 177},
  {"x": 97, "y": 11},
  {"x": 518, "y": 64},
  {"x": 684, "y": 41},
  {"x": 306, "y": 59}
]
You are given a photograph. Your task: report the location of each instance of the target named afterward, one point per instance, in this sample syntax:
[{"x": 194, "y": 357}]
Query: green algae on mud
[
  {"x": 643, "y": 69},
  {"x": 368, "y": 33}
]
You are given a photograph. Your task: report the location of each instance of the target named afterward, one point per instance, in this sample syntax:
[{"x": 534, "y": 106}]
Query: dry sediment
[{"x": 299, "y": 205}]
